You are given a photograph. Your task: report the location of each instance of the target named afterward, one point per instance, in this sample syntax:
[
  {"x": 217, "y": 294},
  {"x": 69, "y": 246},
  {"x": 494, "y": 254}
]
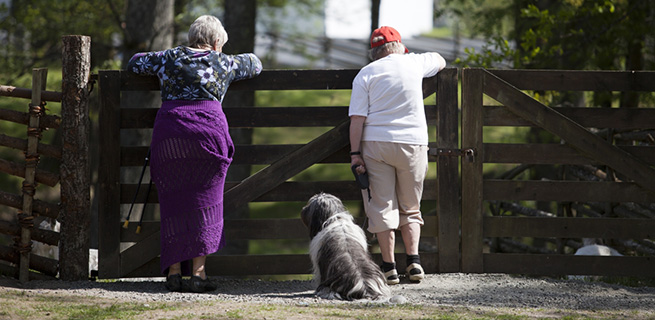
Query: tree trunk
[
  {"x": 634, "y": 59},
  {"x": 75, "y": 179},
  {"x": 239, "y": 22},
  {"x": 149, "y": 26}
]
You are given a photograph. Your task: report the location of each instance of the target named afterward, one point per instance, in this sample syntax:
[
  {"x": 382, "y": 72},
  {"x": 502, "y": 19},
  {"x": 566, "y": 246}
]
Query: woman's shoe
[
  {"x": 415, "y": 272},
  {"x": 200, "y": 285},
  {"x": 174, "y": 282}
]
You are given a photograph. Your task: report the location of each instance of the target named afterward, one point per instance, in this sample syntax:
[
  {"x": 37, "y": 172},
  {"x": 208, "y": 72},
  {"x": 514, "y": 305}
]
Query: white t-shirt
[{"x": 388, "y": 92}]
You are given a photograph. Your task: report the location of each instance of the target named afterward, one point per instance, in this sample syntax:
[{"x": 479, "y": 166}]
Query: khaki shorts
[{"x": 396, "y": 172}]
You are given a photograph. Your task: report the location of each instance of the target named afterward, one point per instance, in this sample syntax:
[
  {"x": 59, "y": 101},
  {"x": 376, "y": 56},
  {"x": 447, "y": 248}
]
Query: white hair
[
  {"x": 385, "y": 49},
  {"x": 207, "y": 30}
]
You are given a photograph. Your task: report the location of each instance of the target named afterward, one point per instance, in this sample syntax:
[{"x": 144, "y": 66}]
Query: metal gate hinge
[{"x": 468, "y": 153}]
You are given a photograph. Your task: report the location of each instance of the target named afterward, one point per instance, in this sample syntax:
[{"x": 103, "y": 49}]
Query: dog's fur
[{"x": 342, "y": 265}]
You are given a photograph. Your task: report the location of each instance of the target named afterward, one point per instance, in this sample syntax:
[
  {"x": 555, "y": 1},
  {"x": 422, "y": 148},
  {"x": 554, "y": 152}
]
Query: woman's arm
[
  {"x": 144, "y": 62},
  {"x": 246, "y": 66}
]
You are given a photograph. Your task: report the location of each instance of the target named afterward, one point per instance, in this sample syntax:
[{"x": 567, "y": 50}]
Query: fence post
[
  {"x": 25, "y": 217},
  {"x": 448, "y": 185},
  {"x": 75, "y": 172},
  {"x": 472, "y": 211}
]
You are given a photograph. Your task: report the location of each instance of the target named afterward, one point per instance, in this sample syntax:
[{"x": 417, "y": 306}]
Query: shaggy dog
[{"x": 342, "y": 265}]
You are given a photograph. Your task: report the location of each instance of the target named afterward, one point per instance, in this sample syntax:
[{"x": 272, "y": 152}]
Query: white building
[
  {"x": 335, "y": 35},
  {"x": 351, "y": 19}
]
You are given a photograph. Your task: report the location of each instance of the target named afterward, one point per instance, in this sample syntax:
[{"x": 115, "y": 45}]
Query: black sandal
[
  {"x": 174, "y": 282},
  {"x": 200, "y": 285}
]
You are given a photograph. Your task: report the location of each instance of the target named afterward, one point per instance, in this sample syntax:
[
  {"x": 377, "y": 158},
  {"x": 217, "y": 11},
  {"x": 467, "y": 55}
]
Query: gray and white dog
[{"x": 343, "y": 267}]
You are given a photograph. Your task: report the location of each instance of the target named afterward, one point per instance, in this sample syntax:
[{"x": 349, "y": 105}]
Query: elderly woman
[
  {"x": 389, "y": 140},
  {"x": 191, "y": 148}
]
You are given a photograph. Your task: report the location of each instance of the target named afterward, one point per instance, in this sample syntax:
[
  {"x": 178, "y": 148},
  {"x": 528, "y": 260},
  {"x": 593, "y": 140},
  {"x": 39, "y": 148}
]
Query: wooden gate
[
  {"x": 125, "y": 253},
  {"x": 633, "y": 183}
]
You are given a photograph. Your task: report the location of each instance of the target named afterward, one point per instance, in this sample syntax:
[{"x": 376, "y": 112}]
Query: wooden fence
[
  {"x": 613, "y": 200},
  {"x": 73, "y": 209},
  {"x": 271, "y": 184},
  {"x": 491, "y": 240}
]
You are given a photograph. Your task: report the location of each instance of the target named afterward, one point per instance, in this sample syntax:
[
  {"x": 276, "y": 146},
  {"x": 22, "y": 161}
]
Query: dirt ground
[{"x": 464, "y": 294}]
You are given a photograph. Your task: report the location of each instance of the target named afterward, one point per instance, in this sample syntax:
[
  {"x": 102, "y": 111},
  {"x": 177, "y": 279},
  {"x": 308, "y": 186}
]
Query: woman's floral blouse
[{"x": 185, "y": 74}]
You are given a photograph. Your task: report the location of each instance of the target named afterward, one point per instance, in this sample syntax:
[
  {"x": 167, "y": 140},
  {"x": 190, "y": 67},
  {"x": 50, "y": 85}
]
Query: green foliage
[
  {"x": 34, "y": 29},
  {"x": 572, "y": 34}
]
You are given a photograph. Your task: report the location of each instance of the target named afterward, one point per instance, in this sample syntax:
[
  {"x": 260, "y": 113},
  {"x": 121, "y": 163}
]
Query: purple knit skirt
[{"x": 191, "y": 151}]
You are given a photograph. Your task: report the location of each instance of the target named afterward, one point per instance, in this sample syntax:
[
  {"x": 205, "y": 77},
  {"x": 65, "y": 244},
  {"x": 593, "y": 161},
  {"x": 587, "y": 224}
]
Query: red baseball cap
[{"x": 388, "y": 34}]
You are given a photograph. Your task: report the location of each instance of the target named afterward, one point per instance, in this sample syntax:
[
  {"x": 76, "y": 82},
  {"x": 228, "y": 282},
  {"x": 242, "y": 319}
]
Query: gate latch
[{"x": 468, "y": 153}]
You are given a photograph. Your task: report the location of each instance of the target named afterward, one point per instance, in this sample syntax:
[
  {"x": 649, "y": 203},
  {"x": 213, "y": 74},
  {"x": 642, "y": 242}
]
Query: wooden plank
[
  {"x": 244, "y": 155},
  {"x": 266, "y": 229},
  {"x": 11, "y": 91},
  {"x": 17, "y": 169},
  {"x": 262, "y": 117},
  {"x": 108, "y": 176},
  {"x": 133, "y": 156},
  {"x": 567, "y": 80},
  {"x": 42, "y": 235},
  {"x": 447, "y": 185},
  {"x": 285, "y": 168},
  {"x": 135, "y": 256},
  {"x": 20, "y": 144},
  {"x": 298, "y": 191},
  {"x": 617, "y": 118},
  {"x": 299, "y": 80},
  {"x": 253, "y": 117},
  {"x": 574, "y": 134},
  {"x": 254, "y": 265},
  {"x": 46, "y": 121},
  {"x": 565, "y": 191},
  {"x": 472, "y": 241},
  {"x": 267, "y": 80},
  {"x": 38, "y": 263},
  {"x": 41, "y": 207},
  {"x": 550, "y": 153},
  {"x": 558, "y": 265},
  {"x": 604, "y": 228},
  {"x": 273, "y": 264},
  {"x": 260, "y": 229},
  {"x": 542, "y": 153}
]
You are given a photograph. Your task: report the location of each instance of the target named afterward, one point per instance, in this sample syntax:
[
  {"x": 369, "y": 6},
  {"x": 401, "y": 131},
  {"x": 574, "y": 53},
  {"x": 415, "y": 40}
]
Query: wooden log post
[
  {"x": 25, "y": 216},
  {"x": 75, "y": 215}
]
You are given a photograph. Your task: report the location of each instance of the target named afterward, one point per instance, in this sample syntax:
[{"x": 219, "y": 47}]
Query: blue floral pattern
[{"x": 185, "y": 74}]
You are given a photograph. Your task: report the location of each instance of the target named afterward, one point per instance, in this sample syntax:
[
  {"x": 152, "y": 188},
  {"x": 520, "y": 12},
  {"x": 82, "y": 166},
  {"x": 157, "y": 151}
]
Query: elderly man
[{"x": 389, "y": 141}]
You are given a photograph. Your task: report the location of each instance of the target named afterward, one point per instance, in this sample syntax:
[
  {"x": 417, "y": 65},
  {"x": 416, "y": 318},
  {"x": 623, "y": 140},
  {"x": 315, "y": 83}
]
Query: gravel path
[{"x": 470, "y": 290}]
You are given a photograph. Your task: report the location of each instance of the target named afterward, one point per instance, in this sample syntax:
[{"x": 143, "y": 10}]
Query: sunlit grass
[{"x": 30, "y": 306}]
